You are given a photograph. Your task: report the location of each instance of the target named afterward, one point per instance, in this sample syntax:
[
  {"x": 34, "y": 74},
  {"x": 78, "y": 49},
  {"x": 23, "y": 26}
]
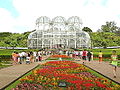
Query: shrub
[{"x": 5, "y": 57}]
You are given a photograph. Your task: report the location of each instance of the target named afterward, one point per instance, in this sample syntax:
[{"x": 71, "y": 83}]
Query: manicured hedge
[{"x": 5, "y": 57}]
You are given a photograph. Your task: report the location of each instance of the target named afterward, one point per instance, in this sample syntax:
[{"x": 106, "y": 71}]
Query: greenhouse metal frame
[{"x": 59, "y": 33}]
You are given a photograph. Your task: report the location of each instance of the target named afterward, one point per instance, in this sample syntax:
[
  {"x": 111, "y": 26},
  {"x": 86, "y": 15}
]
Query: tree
[
  {"x": 86, "y": 29},
  {"x": 118, "y": 32},
  {"x": 109, "y": 27},
  {"x": 104, "y": 39}
]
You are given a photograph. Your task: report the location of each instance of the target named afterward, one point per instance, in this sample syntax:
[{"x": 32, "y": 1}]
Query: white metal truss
[{"x": 58, "y": 33}]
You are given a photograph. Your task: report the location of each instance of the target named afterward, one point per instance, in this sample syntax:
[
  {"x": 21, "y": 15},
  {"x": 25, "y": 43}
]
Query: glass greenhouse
[{"x": 58, "y": 33}]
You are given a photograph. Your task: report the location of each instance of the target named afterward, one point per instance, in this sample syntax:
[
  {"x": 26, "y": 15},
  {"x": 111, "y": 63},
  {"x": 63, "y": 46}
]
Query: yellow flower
[
  {"x": 45, "y": 78},
  {"x": 58, "y": 78},
  {"x": 54, "y": 79},
  {"x": 118, "y": 86}
]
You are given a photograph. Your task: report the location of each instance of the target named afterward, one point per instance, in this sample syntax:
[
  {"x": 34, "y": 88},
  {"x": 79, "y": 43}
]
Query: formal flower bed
[
  {"x": 58, "y": 57},
  {"x": 65, "y": 75}
]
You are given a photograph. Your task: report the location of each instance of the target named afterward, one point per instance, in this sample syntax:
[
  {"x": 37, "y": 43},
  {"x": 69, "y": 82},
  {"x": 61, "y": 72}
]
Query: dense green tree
[
  {"x": 118, "y": 32},
  {"x": 104, "y": 39},
  {"x": 109, "y": 27},
  {"x": 3, "y": 44},
  {"x": 5, "y": 34},
  {"x": 14, "y": 39},
  {"x": 86, "y": 29},
  {"x": 98, "y": 39}
]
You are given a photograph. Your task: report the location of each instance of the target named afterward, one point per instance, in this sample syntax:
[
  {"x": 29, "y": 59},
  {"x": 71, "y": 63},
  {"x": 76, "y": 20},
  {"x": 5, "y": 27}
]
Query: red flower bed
[
  {"x": 74, "y": 75},
  {"x": 60, "y": 56}
]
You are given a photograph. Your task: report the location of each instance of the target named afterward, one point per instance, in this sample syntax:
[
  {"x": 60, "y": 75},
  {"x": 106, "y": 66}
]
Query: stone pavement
[
  {"x": 9, "y": 74},
  {"x": 104, "y": 68}
]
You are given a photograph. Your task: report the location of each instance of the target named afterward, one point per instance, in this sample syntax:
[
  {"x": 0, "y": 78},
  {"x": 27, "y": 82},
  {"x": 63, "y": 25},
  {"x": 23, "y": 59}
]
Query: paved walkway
[
  {"x": 9, "y": 74},
  {"x": 104, "y": 68}
]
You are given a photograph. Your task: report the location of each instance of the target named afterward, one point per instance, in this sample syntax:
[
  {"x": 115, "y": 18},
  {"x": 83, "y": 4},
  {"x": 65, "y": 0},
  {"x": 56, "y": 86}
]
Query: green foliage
[
  {"x": 109, "y": 27},
  {"x": 104, "y": 39},
  {"x": 86, "y": 29},
  {"x": 109, "y": 35},
  {"x": 5, "y": 57},
  {"x": 13, "y": 39},
  {"x": 4, "y": 34},
  {"x": 106, "y": 52}
]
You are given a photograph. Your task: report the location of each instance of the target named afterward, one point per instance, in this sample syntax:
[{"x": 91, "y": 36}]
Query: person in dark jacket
[{"x": 89, "y": 54}]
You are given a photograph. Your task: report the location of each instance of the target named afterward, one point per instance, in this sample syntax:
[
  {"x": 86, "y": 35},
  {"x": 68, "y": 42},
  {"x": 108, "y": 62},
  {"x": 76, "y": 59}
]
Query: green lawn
[{"x": 105, "y": 51}]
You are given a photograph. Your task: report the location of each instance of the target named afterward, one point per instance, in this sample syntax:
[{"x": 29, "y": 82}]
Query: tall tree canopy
[
  {"x": 13, "y": 39},
  {"x": 109, "y": 27},
  {"x": 86, "y": 29},
  {"x": 104, "y": 39}
]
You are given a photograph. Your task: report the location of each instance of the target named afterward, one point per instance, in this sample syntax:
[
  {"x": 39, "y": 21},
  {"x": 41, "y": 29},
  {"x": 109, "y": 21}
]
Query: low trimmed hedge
[
  {"x": 5, "y": 58},
  {"x": 106, "y": 56}
]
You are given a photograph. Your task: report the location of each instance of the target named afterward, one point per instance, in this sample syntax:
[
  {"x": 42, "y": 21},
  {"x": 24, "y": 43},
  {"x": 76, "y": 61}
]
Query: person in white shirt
[{"x": 34, "y": 56}]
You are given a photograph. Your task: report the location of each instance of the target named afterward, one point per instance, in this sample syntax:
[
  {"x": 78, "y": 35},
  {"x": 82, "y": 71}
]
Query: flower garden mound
[{"x": 64, "y": 75}]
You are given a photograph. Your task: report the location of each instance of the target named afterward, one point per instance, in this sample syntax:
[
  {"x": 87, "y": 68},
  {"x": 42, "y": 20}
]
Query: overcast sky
[{"x": 20, "y": 15}]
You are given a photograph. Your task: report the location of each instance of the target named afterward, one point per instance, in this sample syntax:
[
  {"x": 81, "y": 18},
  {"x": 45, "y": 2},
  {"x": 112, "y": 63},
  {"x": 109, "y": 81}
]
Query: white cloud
[
  {"x": 92, "y": 12},
  {"x": 6, "y": 21}
]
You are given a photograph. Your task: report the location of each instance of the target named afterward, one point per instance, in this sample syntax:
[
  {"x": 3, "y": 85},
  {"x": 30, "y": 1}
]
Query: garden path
[
  {"x": 9, "y": 74},
  {"x": 104, "y": 68}
]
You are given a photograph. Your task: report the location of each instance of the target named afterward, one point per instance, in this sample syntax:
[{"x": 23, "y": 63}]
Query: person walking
[
  {"x": 84, "y": 55},
  {"x": 16, "y": 55},
  {"x": 14, "y": 58},
  {"x": 39, "y": 56},
  {"x": 34, "y": 56},
  {"x": 20, "y": 58},
  {"x": 31, "y": 57},
  {"x": 100, "y": 56},
  {"x": 89, "y": 56},
  {"x": 114, "y": 62},
  {"x": 28, "y": 58}
]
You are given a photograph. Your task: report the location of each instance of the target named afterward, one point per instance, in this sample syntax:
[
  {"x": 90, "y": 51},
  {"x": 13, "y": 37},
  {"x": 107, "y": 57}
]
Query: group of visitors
[
  {"x": 114, "y": 61},
  {"x": 88, "y": 56},
  {"x": 85, "y": 55},
  {"x": 27, "y": 57}
]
